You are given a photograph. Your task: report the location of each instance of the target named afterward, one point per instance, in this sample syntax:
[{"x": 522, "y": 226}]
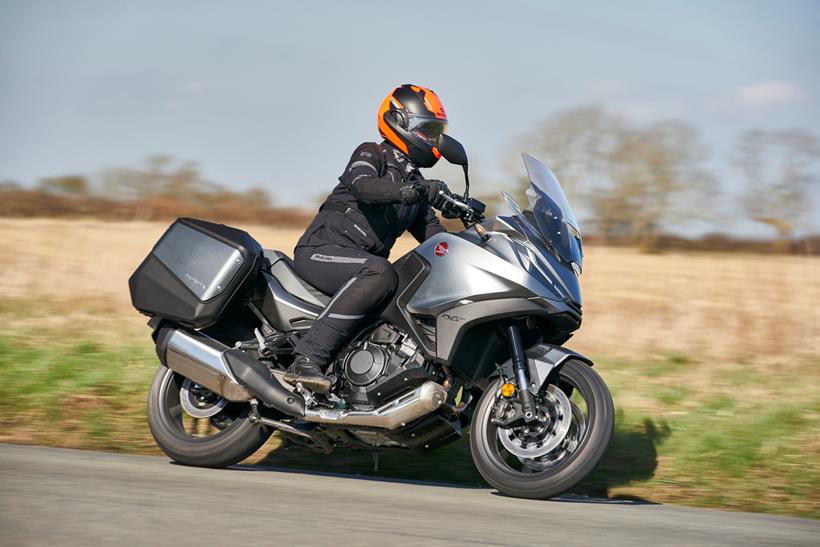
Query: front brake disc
[{"x": 534, "y": 441}]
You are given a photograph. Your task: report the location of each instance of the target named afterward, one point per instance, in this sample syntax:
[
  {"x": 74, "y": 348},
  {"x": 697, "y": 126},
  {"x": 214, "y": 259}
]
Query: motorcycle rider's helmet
[{"x": 412, "y": 119}]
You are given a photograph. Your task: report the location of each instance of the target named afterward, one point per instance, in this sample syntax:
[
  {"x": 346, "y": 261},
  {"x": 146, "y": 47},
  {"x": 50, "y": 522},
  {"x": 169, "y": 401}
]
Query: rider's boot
[{"x": 307, "y": 372}]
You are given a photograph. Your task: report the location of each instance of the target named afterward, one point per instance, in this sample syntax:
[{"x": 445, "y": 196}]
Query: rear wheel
[
  {"x": 194, "y": 426},
  {"x": 546, "y": 458}
]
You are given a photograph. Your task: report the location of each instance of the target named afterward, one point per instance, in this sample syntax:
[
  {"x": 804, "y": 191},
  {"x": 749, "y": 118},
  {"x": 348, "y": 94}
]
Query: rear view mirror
[{"x": 452, "y": 150}]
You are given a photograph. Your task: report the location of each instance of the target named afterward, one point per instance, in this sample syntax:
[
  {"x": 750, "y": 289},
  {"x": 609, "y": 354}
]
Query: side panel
[
  {"x": 455, "y": 322},
  {"x": 412, "y": 271},
  {"x": 282, "y": 309}
]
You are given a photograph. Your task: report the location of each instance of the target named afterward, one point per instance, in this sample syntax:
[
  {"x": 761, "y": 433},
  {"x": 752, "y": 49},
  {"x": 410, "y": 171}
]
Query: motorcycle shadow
[
  {"x": 450, "y": 465},
  {"x": 632, "y": 458}
]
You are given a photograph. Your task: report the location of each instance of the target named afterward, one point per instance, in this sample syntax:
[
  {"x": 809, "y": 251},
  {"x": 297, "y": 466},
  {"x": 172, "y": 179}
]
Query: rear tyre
[
  {"x": 578, "y": 423},
  {"x": 218, "y": 434}
]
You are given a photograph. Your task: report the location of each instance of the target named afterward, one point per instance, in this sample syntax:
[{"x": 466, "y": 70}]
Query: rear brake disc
[{"x": 198, "y": 401}]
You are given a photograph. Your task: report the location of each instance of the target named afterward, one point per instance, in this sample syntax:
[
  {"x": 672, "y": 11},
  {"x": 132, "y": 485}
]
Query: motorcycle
[{"x": 472, "y": 338}]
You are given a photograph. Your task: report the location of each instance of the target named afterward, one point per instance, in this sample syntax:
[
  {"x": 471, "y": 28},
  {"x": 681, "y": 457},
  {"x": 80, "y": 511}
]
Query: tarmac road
[{"x": 51, "y": 496}]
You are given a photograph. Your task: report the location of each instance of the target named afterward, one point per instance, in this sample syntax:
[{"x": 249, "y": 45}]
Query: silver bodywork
[
  {"x": 289, "y": 310},
  {"x": 470, "y": 270}
]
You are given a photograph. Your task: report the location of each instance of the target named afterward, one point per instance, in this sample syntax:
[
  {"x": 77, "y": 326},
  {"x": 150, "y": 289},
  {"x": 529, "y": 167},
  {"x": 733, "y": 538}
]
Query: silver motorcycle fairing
[
  {"x": 534, "y": 256},
  {"x": 477, "y": 281},
  {"x": 472, "y": 270}
]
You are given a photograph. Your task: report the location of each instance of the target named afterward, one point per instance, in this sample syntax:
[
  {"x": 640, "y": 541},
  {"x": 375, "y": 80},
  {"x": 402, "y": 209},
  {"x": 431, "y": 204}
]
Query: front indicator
[{"x": 507, "y": 390}]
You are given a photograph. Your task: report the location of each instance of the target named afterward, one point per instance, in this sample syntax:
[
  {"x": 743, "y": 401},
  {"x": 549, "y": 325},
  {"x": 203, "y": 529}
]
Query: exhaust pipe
[
  {"x": 425, "y": 399},
  {"x": 228, "y": 372},
  {"x": 238, "y": 377}
]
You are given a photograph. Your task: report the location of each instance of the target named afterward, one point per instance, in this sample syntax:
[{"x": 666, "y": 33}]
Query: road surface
[{"x": 51, "y": 496}]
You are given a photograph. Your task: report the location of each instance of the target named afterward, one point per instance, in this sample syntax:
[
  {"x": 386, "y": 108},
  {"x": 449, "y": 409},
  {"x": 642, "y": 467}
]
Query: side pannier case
[{"x": 194, "y": 271}]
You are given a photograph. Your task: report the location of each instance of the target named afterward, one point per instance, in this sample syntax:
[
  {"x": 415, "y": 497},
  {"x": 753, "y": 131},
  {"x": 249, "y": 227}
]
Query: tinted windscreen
[{"x": 549, "y": 211}]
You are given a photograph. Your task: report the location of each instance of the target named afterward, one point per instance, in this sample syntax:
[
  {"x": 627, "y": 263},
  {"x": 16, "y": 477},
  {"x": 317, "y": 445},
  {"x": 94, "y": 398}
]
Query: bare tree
[
  {"x": 655, "y": 175},
  {"x": 10, "y": 186},
  {"x": 68, "y": 185},
  {"x": 160, "y": 177},
  {"x": 632, "y": 180},
  {"x": 778, "y": 167},
  {"x": 576, "y": 145}
]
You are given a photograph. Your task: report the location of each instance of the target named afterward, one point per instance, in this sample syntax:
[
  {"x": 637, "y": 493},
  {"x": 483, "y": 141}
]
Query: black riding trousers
[{"x": 359, "y": 281}]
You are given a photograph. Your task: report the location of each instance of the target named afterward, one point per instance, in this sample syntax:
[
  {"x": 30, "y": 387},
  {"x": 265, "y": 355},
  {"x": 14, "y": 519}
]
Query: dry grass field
[
  {"x": 713, "y": 361},
  {"x": 715, "y": 306}
]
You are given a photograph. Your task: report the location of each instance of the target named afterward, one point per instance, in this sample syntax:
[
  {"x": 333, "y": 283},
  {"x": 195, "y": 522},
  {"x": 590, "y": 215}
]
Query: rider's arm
[
  {"x": 363, "y": 176},
  {"x": 426, "y": 224}
]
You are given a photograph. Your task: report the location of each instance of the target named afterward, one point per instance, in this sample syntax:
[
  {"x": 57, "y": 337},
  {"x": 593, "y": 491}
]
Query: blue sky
[{"x": 278, "y": 95}]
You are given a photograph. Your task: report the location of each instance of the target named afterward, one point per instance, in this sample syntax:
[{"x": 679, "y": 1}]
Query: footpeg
[{"x": 307, "y": 395}]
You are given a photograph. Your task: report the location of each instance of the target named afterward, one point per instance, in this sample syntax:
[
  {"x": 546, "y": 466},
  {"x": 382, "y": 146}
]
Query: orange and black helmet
[{"x": 412, "y": 119}]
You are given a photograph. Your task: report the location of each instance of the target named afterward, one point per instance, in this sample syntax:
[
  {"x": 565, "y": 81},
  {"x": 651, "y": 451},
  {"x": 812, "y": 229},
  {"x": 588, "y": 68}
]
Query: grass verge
[{"x": 729, "y": 435}]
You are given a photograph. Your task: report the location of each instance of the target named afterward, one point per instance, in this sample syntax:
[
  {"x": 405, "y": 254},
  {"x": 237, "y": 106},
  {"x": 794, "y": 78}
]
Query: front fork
[{"x": 519, "y": 362}]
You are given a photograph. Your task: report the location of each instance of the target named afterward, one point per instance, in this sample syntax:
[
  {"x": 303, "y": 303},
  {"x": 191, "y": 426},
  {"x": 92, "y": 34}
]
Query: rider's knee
[{"x": 384, "y": 271}]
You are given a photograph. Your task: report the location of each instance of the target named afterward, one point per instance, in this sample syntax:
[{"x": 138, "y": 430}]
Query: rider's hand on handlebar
[
  {"x": 411, "y": 194},
  {"x": 435, "y": 190},
  {"x": 450, "y": 211}
]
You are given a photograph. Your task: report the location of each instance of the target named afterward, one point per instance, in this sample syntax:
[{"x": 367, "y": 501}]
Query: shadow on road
[
  {"x": 450, "y": 465},
  {"x": 632, "y": 458}
]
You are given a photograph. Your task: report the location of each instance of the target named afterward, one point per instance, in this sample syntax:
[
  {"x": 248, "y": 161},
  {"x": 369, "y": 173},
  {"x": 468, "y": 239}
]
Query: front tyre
[
  {"x": 545, "y": 459},
  {"x": 196, "y": 427}
]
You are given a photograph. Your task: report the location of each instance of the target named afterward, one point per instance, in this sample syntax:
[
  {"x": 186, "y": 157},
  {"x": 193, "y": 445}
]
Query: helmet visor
[{"x": 428, "y": 129}]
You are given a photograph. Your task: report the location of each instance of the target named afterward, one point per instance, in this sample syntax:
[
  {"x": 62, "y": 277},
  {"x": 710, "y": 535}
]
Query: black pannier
[{"x": 194, "y": 271}]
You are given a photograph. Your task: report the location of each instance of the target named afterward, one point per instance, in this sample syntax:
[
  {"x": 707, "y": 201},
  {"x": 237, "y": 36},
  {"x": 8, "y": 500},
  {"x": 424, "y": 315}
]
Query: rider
[{"x": 380, "y": 194}]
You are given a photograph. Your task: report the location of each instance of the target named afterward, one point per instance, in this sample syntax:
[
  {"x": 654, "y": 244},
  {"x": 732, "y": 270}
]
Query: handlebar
[
  {"x": 471, "y": 212},
  {"x": 460, "y": 204}
]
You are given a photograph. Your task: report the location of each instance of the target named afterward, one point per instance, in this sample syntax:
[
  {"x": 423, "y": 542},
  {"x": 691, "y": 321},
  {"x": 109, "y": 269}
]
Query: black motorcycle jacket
[{"x": 365, "y": 209}]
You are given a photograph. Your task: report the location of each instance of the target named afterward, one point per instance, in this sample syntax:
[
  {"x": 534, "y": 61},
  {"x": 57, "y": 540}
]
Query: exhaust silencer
[
  {"x": 425, "y": 399},
  {"x": 226, "y": 371}
]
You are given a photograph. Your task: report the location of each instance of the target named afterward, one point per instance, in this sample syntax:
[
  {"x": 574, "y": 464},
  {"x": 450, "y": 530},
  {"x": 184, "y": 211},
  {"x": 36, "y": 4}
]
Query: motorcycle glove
[
  {"x": 410, "y": 194},
  {"x": 436, "y": 190}
]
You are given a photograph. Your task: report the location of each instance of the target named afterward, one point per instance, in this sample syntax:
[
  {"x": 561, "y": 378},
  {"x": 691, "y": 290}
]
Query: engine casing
[{"x": 381, "y": 367}]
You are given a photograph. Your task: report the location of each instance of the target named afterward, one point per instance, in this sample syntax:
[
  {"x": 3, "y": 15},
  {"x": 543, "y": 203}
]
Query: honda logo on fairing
[{"x": 441, "y": 249}]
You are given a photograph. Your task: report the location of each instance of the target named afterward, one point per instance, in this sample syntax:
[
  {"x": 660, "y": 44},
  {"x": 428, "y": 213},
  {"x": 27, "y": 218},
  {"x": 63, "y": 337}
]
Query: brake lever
[{"x": 460, "y": 204}]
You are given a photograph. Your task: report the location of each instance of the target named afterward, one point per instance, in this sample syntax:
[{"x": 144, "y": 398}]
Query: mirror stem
[{"x": 466, "y": 183}]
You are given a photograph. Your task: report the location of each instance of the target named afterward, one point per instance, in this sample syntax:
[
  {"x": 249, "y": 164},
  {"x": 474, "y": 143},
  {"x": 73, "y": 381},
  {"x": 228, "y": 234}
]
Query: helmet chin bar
[
  {"x": 422, "y": 157},
  {"x": 419, "y": 151}
]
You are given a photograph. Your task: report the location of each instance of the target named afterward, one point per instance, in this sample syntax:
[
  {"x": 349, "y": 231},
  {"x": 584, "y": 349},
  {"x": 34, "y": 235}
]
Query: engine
[{"x": 381, "y": 367}]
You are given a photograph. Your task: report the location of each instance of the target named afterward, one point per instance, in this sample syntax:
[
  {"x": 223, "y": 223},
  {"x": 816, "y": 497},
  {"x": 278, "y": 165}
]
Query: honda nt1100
[{"x": 472, "y": 337}]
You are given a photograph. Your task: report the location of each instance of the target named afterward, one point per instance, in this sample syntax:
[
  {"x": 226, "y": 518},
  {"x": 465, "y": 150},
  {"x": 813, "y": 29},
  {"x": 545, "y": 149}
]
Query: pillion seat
[{"x": 281, "y": 267}]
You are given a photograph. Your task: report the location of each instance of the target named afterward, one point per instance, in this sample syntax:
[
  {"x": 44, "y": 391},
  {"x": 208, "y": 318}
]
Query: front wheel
[
  {"x": 546, "y": 458},
  {"x": 194, "y": 426}
]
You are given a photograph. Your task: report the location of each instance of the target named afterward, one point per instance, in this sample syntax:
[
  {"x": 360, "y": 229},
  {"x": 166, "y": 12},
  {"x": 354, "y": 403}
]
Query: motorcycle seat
[{"x": 281, "y": 267}]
